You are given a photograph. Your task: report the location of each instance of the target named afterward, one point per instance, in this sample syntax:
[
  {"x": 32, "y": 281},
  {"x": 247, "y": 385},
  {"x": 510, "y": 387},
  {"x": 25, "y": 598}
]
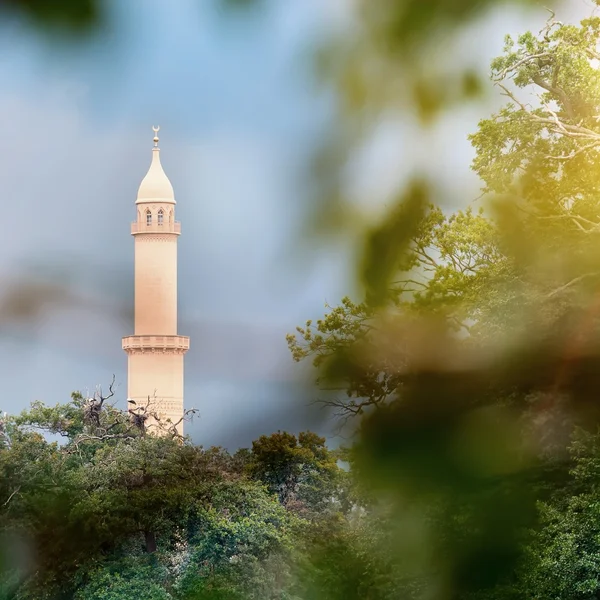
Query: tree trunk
[{"x": 150, "y": 542}]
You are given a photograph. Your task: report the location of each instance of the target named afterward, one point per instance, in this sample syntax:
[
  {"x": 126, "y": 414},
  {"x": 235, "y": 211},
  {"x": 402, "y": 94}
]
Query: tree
[
  {"x": 561, "y": 558},
  {"x": 530, "y": 267},
  {"x": 453, "y": 270},
  {"x": 541, "y": 149},
  {"x": 301, "y": 471},
  {"x": 112, "y": 505},
  {"x": 464, "y": 426}
]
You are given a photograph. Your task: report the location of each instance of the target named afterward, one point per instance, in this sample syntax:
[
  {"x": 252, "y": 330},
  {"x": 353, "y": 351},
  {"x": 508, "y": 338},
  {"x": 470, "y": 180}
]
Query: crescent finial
[{"x": 156, "y": 129}]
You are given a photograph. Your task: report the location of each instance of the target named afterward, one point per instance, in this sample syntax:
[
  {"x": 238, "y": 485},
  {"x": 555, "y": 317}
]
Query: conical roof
[{"x": 155, "y": 186}]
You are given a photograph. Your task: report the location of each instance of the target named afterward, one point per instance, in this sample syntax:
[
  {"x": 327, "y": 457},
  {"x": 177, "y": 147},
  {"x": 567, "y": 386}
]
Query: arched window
[
  {"x": 171, "y": 217},
  {"x": 161, "y": 216},
  {"x": 148, "y": 217}
]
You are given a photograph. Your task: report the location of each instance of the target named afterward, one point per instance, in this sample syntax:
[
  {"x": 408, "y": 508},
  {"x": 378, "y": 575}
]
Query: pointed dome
[{"x": 155, "y": 186}]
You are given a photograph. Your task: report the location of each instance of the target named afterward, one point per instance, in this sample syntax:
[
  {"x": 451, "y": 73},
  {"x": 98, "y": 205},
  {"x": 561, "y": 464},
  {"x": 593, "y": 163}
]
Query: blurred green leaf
[
  {"x": 72, "y": 15},
  {"x": 385, "y": 245}
]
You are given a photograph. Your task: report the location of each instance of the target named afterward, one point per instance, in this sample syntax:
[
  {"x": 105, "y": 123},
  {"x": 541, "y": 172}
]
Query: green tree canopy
[{"x": 112, "y": 511}]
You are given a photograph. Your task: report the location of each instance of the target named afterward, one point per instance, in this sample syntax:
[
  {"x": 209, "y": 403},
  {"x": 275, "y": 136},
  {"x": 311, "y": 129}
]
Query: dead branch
[
  {"x": 557, "y": 91},
  {"x": 93, "y": 406},
  {"x": 571, "y": 156},
  {"x": 571, "y": 283},
  {"x": 12, "y": 495},
  {"x": 502, "y": 75}
]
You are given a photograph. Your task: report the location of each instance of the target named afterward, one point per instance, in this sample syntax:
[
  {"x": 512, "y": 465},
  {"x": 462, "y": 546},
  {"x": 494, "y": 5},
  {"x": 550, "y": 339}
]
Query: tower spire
[{"x": 156, "y": 185}]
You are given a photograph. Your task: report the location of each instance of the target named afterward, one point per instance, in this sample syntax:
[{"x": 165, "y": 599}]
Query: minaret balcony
[
  {"x": 179, "y": 344},
  {"x": 174, "y": 228}
]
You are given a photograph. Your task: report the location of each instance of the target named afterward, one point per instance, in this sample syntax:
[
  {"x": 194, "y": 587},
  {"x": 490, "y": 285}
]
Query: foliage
[
  {"x": 472, "y": 375},
  {"x": 72, "y": 16},
  {"x": 301, "y": 471},
  {"x": 561, "y": 558},
  {"x": 454, "y": 270},
  {"x": 117, "y": 582},
  {"x": 528, "y": 268},
  {"x": 470, "y": 360},
  {"x": 110, "y": 515}
]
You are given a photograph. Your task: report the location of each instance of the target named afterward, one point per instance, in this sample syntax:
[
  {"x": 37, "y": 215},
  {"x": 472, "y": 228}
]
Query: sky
[{"x": 239, "y": 114}]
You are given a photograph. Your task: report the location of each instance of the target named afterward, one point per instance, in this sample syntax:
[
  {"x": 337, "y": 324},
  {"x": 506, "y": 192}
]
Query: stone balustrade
[
  {"x": 137, "y": 227},
  {"x": 156, "y": 343}
]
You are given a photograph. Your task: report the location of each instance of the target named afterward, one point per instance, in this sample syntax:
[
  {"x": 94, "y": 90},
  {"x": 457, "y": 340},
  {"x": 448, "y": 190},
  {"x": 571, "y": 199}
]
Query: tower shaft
[{"x": 155, "y": 284}]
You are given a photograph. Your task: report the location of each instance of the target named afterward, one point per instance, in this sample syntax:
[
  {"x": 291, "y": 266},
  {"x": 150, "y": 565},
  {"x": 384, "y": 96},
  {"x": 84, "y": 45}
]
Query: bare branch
[
  {"x": 12, "y": 495},
  {"x": 526, "y": 59},
  {"x": 557, "y": 91},
  {"x": 572, "y": 282},
  {"x": 581, "y": 150},
  {"x": 554, "y": 123},
  {"x": 405, "y": 282}
]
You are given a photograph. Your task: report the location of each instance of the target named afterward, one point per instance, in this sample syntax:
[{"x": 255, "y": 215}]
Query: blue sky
[{"x": 239, "y": 114}]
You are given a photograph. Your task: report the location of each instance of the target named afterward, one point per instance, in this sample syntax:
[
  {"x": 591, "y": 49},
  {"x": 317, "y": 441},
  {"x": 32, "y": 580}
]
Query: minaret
[{"x": 155, "y": 351}]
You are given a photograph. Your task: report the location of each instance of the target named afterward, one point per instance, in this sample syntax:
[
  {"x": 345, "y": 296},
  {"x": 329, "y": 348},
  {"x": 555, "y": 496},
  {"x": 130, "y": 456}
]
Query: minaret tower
[{"x": 155, "y": 351}]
